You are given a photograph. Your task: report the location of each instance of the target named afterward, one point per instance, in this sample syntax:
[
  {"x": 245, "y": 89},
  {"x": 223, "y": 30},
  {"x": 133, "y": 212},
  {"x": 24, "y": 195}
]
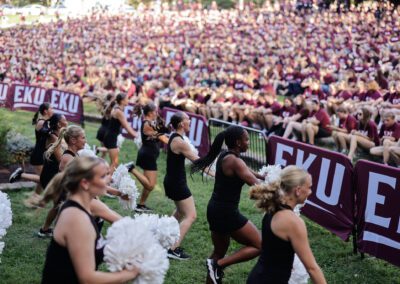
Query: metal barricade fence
[{"x": 256, "y": 155}]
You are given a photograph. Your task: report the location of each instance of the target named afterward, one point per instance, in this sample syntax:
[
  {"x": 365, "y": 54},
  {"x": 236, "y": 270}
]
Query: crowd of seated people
[{"x": 234, "y": 65}]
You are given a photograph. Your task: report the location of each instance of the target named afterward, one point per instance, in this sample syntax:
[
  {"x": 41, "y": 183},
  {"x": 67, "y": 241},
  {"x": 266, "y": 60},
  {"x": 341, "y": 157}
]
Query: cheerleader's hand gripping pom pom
[
  {"x": 127, "y": 187},
  {"x": 129, "y": 245},
  {"x": 120, "y": 172}
]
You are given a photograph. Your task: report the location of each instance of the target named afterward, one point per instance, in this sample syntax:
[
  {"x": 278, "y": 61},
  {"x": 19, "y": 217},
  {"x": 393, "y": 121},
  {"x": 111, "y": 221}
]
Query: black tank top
[
  {"x": 50, "y": 169},
  {"x": 41, "y": 137},
  {"x": 175, "y": 164},
  {"x": 114, "y": 126},
  {"x": 104, "y": 122},
  {"x": 58, "y": 267},
  {"x": 226, "y": 189},
  {"x": 149, "y": 142},
  {"x": 277, "y": 255}
]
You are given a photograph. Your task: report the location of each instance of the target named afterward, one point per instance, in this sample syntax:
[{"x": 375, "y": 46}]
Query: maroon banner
[
  {"x": 378, "y": 218},
  {"x": 25, "y": 97},
  {"x": 3, "y": 94},
  {"x": 66, "y": 103},
  {"x": 198, "y": 133},
  {"x": 331, "y": 203}
]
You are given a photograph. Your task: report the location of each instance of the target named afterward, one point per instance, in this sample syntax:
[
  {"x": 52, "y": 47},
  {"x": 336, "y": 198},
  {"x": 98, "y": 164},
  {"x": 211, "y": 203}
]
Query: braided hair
[{"x": 230, "y": 136}]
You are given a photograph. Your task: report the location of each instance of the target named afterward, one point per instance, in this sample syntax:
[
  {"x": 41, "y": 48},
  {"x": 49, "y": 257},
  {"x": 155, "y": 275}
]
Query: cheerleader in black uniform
[
  {"x": 55, "y": 161},
  {"x": 117, "y": 121},
  {"x": 223, "y": 215},
  {"x": 151, "y": 133},
  {"x": 283, "y": 233},
  {"x": 75, "y": 252},
  {"x": 105, "y": 111},
  {"x": 41, "y": 133},
  {"x": 175, "y": 181},
  {"x": 53, "y": 128},
  {"x": 75, "y": 138}
]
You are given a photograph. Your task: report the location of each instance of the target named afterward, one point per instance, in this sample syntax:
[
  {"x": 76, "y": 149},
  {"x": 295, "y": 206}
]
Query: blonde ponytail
[
  {"x": 270, "y": 196},
  {"x": 56, "y": 144}
]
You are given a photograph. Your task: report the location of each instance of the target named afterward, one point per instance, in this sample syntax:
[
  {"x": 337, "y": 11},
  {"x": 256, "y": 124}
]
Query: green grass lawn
[{"x": 24, "y": 254}]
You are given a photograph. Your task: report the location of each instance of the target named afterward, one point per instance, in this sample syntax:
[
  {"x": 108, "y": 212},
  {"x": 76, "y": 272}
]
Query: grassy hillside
[{"x": 24, "y": 254}]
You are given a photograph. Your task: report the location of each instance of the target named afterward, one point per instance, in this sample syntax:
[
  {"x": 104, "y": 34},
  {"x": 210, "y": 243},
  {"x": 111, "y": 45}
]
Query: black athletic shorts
[{"x": 224, "y": 217}]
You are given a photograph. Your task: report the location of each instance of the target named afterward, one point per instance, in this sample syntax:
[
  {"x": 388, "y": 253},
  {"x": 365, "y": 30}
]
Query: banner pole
[{"x": 354, "y": 233}]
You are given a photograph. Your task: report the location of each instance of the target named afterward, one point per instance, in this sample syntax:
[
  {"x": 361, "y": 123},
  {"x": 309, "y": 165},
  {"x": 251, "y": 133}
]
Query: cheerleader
[
  {"x": 101, "y": 132},
  {"x": 55, "y": 161},
  {"x": 175, "y": 184},
  {"x": 117, "y": 121},
  {"x": 223, "y": 215},
  {"x": 76, "y": 250},
  {"x": 45, "y": 111},
  {"x": 53, "y": 129},
  {"x": 283, "y": 233},
  {"x": 151, "y": 133}
]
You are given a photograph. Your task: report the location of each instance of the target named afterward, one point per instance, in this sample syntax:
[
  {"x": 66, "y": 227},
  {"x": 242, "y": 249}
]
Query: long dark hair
[
  {"x": 366, "y": 117},
  {"x": 230, "y": 135},
  {"x": 138, "y": 110},
  {"x": 42, "y": 108}
]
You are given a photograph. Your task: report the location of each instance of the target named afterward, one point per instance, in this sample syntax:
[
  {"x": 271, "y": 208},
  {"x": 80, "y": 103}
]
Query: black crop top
[{"x": 58, "y": 267}]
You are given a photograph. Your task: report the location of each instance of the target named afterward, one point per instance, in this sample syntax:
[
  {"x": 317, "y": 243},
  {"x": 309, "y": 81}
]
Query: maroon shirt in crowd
[
  {"x": 371, "y": 131},
  {"x": 287, "y": 111},
  {"x": 349, "y": 123},
  {"x": 371, "y": 96},
  {"x": 275, "y": 107},
  {"x": 392, "y": 131},
  {"x": 345, "y": 95},
  {"x": 323, "y": 117},
  {"x": 304, "y": 113}
]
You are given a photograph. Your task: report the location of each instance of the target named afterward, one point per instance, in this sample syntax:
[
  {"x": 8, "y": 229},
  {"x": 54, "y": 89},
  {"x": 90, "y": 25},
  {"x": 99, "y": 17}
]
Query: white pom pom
[
  {"x": 168, "y": 232},
  {"x": 118, "y": 174},
  {"x": 86, "y": 153},
  {"x": 5, "y": 217},
  {"x": 138, "y": 141},
  {"x": 192, "y": 148},
  {"x": 272, "y": 172},
  {"x": 129, "y": 245},
  {"x": 297, "y": 209},
  {"x": 120, "y": 140},
  {"x": 299, "y": 273},
  {"x": 165, "y": 229},
  {"x": 127, "y": 186}
]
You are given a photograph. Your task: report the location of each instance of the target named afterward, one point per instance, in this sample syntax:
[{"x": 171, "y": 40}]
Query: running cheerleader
[
  {"x": 225, "y": 220},
  {"x": 76, "y": 250},
  {"x": 151, "y": 133},
  {"x": 283, "y": 233},
  {"x": 175, "y": 184},
  {"x": 53, "y": 129},
  {"x": 55, "y": 160},
  {"x": 117, "y": 121},
  {"x": 44, "y": 112},
  {"x": 105, "y": 111}
]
